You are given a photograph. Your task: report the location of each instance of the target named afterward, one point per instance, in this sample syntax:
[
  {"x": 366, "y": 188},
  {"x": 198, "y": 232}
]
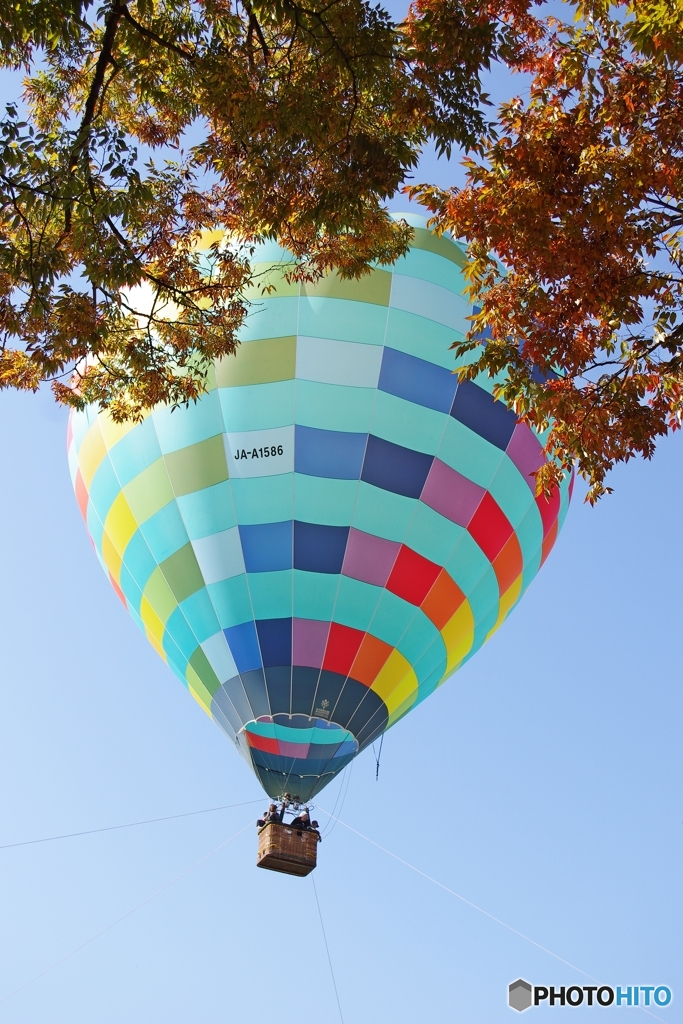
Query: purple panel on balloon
[
  {"x": 310, "y": 641},
  {"x": 293, "y": 749},
  {"x": 369, "y": 558},
  {"x": 451, "y": 494},
  {"x": 526, "y": 453}
]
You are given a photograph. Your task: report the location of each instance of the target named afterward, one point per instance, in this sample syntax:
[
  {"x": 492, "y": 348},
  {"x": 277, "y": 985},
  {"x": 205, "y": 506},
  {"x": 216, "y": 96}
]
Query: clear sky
[{"x": 557, "y": 810}]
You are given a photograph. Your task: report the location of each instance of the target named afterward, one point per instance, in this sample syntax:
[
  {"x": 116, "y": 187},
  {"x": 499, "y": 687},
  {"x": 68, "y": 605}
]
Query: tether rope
[
  {"x": 124, "y": 916},
  {"x": 327, "y": 949},
  {"x": 346, "y": 779},
  {"x": 474, "y": 906},
  {"x": 130, "y": 824}
]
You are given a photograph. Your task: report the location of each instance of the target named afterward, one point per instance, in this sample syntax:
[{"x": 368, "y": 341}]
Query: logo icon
[{"x": 519, "y": 995}]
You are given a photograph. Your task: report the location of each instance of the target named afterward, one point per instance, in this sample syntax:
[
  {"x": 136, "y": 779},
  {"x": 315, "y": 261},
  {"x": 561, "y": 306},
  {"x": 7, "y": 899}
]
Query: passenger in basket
[
  {"x": 301, "y": 822},
  {"x": 272, "y": 814}
]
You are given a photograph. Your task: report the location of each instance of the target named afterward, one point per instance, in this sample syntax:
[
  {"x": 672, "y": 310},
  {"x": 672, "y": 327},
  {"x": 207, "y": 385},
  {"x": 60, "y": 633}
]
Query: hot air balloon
[{"x": 335, "y": 527}]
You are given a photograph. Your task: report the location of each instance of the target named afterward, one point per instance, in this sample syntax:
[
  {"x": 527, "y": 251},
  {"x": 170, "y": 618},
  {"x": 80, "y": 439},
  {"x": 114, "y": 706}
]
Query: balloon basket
[{"x": 287, "y": 850}]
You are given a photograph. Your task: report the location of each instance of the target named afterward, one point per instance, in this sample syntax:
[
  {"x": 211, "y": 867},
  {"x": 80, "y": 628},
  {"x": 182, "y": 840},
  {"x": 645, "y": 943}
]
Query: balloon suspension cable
[
  {"x": 327, "y": 950},
  {"x": 129, "y": 824},
  {"x": 126, "y": 915},
  {"x": 345, "y": 780},
  {"x": 469, "y": 903},
  {"x": 378, "y": 757}
]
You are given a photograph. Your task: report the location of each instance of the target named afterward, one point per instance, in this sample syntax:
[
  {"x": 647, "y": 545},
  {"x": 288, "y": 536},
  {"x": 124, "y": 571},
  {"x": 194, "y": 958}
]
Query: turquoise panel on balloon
[{"x": 335, "y": 527}]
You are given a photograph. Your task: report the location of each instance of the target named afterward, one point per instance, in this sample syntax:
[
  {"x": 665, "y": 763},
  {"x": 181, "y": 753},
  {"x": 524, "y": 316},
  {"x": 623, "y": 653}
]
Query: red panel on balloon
[
  {"x": 342, "y": 647},
  {"x": 490, "y": 527},
  {"x": 412, "y": 576},
  {"x": 549, "y": 509},
  {"x": 267, "y": 744},
  {"x": 81, "y": 495},
  {"x": 117, "y": 589}
]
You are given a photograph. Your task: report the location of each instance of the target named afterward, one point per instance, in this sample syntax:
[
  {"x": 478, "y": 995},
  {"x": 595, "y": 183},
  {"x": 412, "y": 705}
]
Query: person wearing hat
[{"x": 302, "y": 821}]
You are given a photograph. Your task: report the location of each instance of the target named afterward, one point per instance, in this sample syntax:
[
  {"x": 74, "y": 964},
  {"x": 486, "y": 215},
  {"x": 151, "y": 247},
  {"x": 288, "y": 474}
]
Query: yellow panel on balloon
[
  {"x": 396, "y": 682},
  {"x": 458, "y": 636}
]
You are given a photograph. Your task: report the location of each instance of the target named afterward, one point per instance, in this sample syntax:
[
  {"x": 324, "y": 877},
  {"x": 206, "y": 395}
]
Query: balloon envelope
[{"x": 335, "y": 527}]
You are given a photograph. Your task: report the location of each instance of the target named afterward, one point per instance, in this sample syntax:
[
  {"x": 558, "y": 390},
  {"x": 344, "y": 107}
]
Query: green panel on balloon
[{"x": 335, "y": 527}]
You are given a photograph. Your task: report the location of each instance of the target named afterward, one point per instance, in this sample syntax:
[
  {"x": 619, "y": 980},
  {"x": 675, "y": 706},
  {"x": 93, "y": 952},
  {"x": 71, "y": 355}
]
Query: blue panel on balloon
[
  {"x": 479, "y": 411},
  {"x": 394, "y": 468},
  {"x": 335, "y": 454},
  {"x": 255, "y": 688},
  {"x": 279, "y": 686},
  {"x": 244, "y": 647},
  {"x": 267, "y": 547},
  {"x": 275, "y": 640},
  {"x": 319, "y": 548},
  {"x": 417, "y": 381}
]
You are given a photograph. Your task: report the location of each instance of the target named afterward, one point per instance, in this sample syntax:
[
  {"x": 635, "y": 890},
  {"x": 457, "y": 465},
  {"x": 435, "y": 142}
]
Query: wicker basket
[{"x": 281, "y": 848}]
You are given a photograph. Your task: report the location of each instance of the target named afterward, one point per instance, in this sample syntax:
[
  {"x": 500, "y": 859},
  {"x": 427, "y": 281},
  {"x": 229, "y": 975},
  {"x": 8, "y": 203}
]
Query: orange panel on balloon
[
  {"x": 443, "y": 600},
  {"x": 508, "y": 564},
  {"x": 548, "y": 542},
  {"x": 370, "y": 659},
  {"x": 342, "y": 647}
]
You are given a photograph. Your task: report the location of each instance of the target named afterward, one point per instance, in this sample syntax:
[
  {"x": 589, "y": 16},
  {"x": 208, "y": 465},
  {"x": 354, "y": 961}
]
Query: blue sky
[{"x": 557, "y": 810}]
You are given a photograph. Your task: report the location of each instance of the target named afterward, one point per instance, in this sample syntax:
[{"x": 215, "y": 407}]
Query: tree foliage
[
  {"x": 574, "y": 219},
  {"x": 143, "y": 123}
]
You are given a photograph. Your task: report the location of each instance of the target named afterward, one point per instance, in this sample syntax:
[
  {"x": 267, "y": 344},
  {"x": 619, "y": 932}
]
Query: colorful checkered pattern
[{"x": 335, "y": 527}]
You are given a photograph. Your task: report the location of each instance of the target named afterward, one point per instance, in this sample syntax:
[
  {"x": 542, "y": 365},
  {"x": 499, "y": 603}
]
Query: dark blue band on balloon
[
  {"x": 480, "y": 411},
  {"x": 275, "y": 641},
  {"x": 394, "y": 468},
  {"x": 319, "y": 548}
]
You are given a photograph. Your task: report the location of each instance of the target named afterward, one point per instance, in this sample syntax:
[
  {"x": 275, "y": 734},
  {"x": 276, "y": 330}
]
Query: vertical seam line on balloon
[
  {"x": 353, "y": 509},
  {"x": 139, "y": 530},
  {"x": 405, "y": 533},
  {"x": 246, "y": 574},
  {"x": 187, "y": 534}
]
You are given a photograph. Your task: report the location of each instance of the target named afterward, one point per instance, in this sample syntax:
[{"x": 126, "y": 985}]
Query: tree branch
[
  {"x": 254, "y": 24},
  {"x": 149, "y": 34},
  {"x": 111, "y": 26}
]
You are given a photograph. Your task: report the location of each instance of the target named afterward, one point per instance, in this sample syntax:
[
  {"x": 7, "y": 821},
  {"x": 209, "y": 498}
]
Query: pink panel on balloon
[
  {"x": 451, "y": 494},
  {"x": 526, "y": 452},
  {"x": 310, "y": 640},
  {"x": 369, "y": 558},
  {"x": 293, "y": 749}
]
